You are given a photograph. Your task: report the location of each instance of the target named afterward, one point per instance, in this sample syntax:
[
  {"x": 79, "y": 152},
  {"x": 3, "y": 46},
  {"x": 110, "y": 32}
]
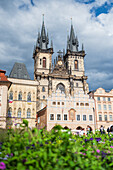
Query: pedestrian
[
  {"x": 102, "y": 129},
  {"x": 82, "y": 132},
  {"x": 111, "y": 129},
  {"x": 108, "y": 130},
  {"x": 88, "y": 130}
]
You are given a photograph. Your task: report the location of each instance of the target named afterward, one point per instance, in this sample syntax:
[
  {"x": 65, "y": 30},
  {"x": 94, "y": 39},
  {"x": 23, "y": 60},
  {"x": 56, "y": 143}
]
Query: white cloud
[{"x": 19, "y": 28}]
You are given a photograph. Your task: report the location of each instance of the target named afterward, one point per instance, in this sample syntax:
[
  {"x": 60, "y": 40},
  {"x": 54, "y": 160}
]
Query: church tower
[
  {"x": 74, "y": 61},
  {"x": 42, "y": 54}
]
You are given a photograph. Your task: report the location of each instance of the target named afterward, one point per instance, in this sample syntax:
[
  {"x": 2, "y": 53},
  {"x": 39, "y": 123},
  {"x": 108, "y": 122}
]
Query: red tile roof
[
  {"x": 3, "y": 71},
  {"x": 2, "y": 75}
]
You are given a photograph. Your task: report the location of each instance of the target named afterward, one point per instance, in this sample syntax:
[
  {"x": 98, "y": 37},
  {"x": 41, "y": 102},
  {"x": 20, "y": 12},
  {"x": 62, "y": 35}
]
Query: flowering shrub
[{"x": 40, "y": 149}]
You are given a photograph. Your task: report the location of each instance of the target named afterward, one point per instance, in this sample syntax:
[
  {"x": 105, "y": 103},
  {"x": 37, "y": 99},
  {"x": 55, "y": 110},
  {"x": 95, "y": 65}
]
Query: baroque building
[
  {"x": 22, "y": 97},
  {"x": 103, "y": 107},
  {"x": 70, "y": 112}
]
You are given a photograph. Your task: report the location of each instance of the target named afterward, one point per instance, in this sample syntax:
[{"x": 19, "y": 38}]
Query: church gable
[{"x": 60, "y": 67}]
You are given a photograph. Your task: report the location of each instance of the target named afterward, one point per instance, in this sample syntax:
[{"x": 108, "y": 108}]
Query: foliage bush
[{"x": 40, "y": 149}]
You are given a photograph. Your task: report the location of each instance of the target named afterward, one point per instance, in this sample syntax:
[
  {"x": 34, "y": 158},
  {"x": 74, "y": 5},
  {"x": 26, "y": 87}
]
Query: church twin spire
[
  {"x": 43, "y": 38},
  {"x": 72, "y": 41}
]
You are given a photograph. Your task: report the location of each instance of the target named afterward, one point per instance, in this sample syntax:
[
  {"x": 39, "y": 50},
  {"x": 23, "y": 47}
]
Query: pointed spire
[
  {"x": 72, "y": 34},
  {"x": 38, "y": 36},
  {"x": 72, "y": 42},
  {"x": 43, "y": 18},
  {"x": 43, "y": 39},
  {"x": 43, "y": 32},
  {"x": 51, "y": 44},
  {"x": 47, "y": 37},
  {"x": 82, "y": 47},
  {"x": 63, "y": 52},
  {"x": 37, "y": 43},
  {"x": 77, "y": 43}
]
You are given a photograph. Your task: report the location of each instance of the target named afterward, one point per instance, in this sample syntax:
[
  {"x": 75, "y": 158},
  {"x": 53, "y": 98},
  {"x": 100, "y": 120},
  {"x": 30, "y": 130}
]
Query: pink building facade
[{"x": 72, "y": 112}]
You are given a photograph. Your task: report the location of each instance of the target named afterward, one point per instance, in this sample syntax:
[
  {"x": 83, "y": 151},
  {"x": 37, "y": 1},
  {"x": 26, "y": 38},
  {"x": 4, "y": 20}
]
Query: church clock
[{"x": 59, "y": 62}]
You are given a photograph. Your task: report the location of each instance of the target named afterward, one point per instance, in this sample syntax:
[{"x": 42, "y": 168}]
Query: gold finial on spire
[
  {"x": 43, "y": 17},
  {"x": 71, "y": 20}
]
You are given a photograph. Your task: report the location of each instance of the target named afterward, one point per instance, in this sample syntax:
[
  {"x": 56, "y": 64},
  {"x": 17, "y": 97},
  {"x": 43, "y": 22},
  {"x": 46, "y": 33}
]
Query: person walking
[{"x": 102, "y": 129}]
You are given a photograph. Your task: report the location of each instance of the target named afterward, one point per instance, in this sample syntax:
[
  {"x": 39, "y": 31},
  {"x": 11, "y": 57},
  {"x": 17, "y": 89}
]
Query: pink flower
[
  {"x": 97, "y": 156},
  {"x": 81, "y": 153},
  {"x": 111, "y": 146},
  {"x": 2, "y": 166},
  {"x": 98, "y": 151},
  {"x": 92, "y": 151},
  {"x": 84, "y": 154}
]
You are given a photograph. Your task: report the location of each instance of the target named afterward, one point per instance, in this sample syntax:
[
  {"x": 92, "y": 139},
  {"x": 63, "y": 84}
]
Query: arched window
[
  {"x": 11, "y": 95},
  {"x": 29, "y": 96},
  {"x": 28, "y": 113},
  {"x": 19, "y": 112},
  {"x": 44, "y": 62},
  {"x": 20, "y": 96},
  {"x": 43, "y": 89},
  {"x": 10, "y": 112},
  {"x": 61, "y": 87},
  {"x": 76, "y": 64},
  {"x": 86, "y": 104}
]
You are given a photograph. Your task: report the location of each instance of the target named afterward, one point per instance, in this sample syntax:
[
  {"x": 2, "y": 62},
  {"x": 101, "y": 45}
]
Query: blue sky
[{"x": 20, "y": 21}]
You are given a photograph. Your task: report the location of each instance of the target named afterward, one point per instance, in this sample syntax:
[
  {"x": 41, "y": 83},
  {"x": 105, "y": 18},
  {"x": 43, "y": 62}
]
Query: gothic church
[{"x": 67, "y": 73}]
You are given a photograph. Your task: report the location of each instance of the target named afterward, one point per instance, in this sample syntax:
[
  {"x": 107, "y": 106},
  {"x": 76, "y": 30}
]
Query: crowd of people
[
  {"x": 102, "y": 130},
  {"x": 109, "y": 130}
]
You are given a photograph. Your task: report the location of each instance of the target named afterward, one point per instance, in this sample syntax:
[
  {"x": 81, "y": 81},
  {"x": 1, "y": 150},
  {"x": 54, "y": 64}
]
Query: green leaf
[
  {"x": 30, "y": 162},
  {"x": 25, "y": 122},
  {"x": 72, "y": 164},
  {"x": 20, "y": 166},
  {"x": 16, "y": 153}
]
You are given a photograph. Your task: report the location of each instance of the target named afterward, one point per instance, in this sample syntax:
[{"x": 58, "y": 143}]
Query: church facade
[
  {"x": 67, "y": 73},
  {"x": 62, "y": 86}
]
